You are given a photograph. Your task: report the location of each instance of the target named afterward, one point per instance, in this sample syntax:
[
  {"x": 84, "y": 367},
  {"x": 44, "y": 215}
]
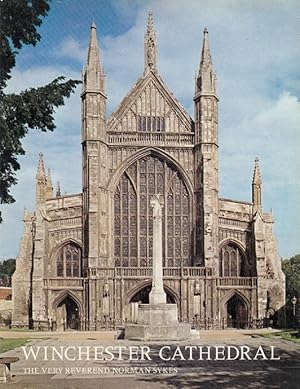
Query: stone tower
[
  {"x": 43, "y": 192},
  {"x": 94, "y": 158},
  {"x": 94, "y": 169},
  {"x": 206, "y": 160}
]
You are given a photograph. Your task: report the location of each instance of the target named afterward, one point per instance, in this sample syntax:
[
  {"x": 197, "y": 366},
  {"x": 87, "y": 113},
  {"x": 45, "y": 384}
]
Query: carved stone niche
[
  {"x": 260, "y": 249},
  {"x": 269, "y": 271},
  {"x": 197, "y": 289},
  {"x": 106, "y": 299}
]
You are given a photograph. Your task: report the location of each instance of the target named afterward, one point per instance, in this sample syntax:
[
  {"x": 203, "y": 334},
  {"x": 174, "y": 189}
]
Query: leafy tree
[
  {"x": 291, "y": 269},
  {"x": 7, "y": 268},
  {"x": 33, "y": 108}
]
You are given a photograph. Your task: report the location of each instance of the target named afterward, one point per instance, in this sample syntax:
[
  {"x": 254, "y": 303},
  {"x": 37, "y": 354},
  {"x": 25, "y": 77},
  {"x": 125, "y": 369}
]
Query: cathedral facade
[{"x": 85, "y": 260}]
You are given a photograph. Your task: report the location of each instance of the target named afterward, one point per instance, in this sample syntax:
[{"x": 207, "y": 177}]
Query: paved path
[
  {"x": 206, "y": 335},
  {"x": 240, "y": 374}
]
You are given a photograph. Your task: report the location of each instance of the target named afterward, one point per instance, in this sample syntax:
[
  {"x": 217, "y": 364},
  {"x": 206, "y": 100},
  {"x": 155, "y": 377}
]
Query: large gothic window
[
  {"x": 133, "y": 220},
  {"x": 232, "y": 261},
  {"x": 68, "y": 261}
]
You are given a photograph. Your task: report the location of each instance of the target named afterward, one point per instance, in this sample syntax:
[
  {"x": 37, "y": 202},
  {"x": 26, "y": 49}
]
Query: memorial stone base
[{"x": 157, "y": 322}]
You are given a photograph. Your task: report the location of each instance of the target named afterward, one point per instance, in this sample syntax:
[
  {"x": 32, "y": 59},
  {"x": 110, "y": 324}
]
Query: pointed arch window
[
  {"x": 232, "y": 261},
  {"x": 133, "y": 220},
  {"x": 68, "y": 261}
]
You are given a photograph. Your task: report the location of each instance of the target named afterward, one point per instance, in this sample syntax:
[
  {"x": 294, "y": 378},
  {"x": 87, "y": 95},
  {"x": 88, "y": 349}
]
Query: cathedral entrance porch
[{"x": 237, "y": 315}]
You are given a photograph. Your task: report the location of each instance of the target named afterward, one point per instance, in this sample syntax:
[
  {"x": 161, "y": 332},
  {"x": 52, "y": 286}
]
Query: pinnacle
[
  {"x": 256, "y": 174},
  {"x": 150, "y": 45},
  {"x": 206, "y": 81},
  {"x": 49, "y": 181},
  {"x": 93, "y": 53},
  {"x": 150, "y": 17},
  {"x": 58, "y": 191},
  {"x": 93, "y": 74},
  {"x": 150, "y": 23},
  {"x": 41, "y": 174},
  {"x": 205, "y": 49}
]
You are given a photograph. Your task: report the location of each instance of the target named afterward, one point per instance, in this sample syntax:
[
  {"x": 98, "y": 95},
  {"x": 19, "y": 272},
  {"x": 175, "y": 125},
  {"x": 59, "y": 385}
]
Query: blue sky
[{"x": 256, "y": 54}]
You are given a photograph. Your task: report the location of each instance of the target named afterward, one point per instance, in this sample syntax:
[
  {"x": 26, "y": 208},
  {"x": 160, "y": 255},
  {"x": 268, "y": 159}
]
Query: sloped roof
[{"x": 138, "y": 88}]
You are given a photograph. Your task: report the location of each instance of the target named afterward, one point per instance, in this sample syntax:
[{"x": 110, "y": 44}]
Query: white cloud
[
  {"x": 36, "y": 76},
  {"x": 273, "y": 135},
  {"x": 72, "y": 49}
]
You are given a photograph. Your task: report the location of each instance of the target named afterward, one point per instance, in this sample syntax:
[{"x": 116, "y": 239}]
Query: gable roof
[{"x": 153, "y": 81}]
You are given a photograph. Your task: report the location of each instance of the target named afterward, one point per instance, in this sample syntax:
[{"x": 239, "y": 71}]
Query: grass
[
  {"x": 6, "y": 329},
  {"x": 290, "y": 335},
  {"x": 10, "y": 344}
]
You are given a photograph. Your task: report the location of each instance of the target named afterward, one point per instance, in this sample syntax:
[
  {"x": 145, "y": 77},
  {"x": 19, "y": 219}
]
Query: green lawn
[
  {"x": 291, "y": 335},
  {"x": 10, "y": 344},
  {"x": 6, "y": 329}
]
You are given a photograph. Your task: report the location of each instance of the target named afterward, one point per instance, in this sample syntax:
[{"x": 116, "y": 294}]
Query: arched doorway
[
  {"x": 68, "y": 314},
  {"x": 237, "y": 313},
  {"x": 141, "y": 296}
]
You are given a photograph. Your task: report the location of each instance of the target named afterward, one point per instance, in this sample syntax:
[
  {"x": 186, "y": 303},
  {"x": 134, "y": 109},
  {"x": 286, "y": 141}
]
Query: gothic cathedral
[{"x": 85, "y": 260}]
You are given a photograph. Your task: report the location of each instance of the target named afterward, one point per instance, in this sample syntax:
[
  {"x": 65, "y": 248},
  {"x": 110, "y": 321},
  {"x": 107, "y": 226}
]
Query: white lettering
[
  {"x": 201, "y": 352},
  {"x": 66, "y": 353},
  {"x": 29, "y": 351},
  {"x": 273, "y": 358},
  {"x": 145, "y": 350},
  {"x": 178, "y": 353},
  {"x": 237, "y": 353},
  {"x": 245, "y": 351},
  {"x": 260, "y": 353},
  {"x": 162, "y": 349},
  {"x": 190, "y": 349},
  {"x": 86, "y": 352},
  {"x": 220, "y": 353}
]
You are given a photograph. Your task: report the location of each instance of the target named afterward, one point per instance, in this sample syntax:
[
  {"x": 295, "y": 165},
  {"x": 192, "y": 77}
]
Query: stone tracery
[
  {"x": 233, "y": 262},
  {"x": 68, "y": 261},
  {"x": 133, "y": 216}
]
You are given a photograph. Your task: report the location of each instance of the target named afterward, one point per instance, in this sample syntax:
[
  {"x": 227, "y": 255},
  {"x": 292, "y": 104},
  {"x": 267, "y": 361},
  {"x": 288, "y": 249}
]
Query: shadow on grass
[
  {"x": 10, "y": 344},
  {"x": 290, "y": 335}
]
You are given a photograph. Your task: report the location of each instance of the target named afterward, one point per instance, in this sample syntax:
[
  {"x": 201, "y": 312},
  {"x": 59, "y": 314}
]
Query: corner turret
[{"x": 256, "y": 188}]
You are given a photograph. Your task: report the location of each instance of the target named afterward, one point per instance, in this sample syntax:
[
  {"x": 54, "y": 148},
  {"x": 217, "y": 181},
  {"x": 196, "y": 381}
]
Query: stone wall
[{"x": 21, "y": 280}]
